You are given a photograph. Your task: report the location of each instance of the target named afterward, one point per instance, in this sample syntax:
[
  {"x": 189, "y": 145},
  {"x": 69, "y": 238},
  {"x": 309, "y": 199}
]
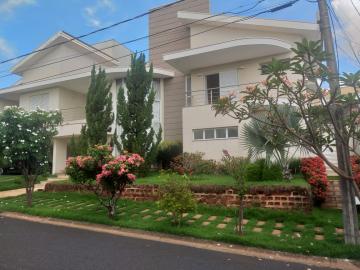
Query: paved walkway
[{"x": 40, "y": 186}]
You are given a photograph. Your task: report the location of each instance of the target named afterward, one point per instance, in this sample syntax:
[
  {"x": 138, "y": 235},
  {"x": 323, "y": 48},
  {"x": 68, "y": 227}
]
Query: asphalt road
[{"x": 33, "y": 246}]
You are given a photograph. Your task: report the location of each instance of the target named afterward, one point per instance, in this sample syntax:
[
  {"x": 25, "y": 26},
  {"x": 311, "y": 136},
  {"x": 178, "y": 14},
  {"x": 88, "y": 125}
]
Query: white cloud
[
  {"x": 92, "y": 13},
  {"x": 8, "y": 6},
  {"x": 5, "y": 49},
  {"x": 347, "y": 12}
]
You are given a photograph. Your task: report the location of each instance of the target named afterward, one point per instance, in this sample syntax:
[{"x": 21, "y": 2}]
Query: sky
[{"x": 26, "y": 24}]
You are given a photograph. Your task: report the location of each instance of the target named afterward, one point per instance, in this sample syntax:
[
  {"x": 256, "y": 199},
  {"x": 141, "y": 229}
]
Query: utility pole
[{"x": 350, "y": 217}]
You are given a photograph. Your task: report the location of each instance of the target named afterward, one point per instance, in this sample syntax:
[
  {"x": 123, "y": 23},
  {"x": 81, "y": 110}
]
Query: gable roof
[{"x": 59, "y": 38}]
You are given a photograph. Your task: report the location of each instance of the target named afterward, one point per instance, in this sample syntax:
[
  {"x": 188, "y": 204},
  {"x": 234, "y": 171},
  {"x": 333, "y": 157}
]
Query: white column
[{"x": 59, "y": 155}]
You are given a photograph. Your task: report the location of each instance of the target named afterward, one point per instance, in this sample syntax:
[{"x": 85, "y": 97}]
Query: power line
[
  {"x": 271, "y": 10},
  {"x": 137, "y": 39},
  {"x": 93, "y": 32}
]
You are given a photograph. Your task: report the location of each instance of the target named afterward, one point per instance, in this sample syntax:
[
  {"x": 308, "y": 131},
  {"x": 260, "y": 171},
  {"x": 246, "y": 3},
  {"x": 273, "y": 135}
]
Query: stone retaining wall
[{"x": 266, "y": 197}]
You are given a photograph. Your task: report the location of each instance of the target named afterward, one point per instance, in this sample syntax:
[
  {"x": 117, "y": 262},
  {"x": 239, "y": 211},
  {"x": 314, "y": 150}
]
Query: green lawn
[
  {"x": 9, "y": 182},
  {"x": 298, "y": 230},
  {"x": 225, "y": 180}
]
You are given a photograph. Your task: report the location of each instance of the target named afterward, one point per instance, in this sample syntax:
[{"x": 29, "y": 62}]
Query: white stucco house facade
[{"x": 212, "y": 57}]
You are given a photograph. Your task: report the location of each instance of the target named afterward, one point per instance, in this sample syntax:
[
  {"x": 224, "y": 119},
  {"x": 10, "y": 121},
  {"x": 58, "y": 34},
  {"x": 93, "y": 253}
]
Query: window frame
[
  {"x": 214, "y": 133},
  {"x": 210, "y": 99}
]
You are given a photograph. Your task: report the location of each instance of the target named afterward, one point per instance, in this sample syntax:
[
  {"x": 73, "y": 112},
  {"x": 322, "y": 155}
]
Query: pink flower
[{"x": 131, "y": 177}]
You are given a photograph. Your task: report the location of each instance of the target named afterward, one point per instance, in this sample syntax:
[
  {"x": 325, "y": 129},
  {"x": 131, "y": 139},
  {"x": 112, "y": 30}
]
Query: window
[
  {"x": 188, "y": 91},
  {"x": 198, "y": 134},
  {"x": 209, "y": 134},
  {"x": 39, "y": 101},
  {"x": 213, "y": 88},
  {"x": 215, "y": 133},
  {"x": 220, "y": 133},
  {"x": 233, "y": 132}
]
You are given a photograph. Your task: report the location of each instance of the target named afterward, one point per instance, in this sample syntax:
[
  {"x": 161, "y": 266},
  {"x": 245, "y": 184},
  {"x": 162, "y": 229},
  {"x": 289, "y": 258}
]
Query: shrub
[
  {"x": 193, "y": 163},
  {"x": 113, "y": 178},
  {"x": 314, "y": 171},
  {"x": 176, "y": 197},
  {"x": 254, "y": 171},
  {"x": 295, "y": 165},
  {"x": 167, "y": 151},
  {"x": 272, "y": 172}
]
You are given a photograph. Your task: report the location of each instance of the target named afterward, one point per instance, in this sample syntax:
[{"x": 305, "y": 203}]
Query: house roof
[
  {"x": 59, "y": 38},
  {"x": 306, "y": 29}
]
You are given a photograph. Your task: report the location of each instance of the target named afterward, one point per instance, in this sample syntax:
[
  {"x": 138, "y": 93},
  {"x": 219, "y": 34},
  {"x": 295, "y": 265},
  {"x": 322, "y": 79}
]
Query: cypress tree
[
  {"x": 99, "y": 116},
  {"x": 135, "y": 113}
]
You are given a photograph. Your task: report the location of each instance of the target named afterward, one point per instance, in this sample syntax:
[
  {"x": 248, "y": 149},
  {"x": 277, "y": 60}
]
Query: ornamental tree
[
  {"x": 317, "y": 109},
  {"x": 114, "y": 177},
  {"x": 135, "y": 113},
  {"x": 25, "y": 142},
  {"x": 99, "y": 116}
]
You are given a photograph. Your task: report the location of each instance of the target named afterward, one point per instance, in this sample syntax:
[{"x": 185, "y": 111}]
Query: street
[{"x": 34, "y": 246}]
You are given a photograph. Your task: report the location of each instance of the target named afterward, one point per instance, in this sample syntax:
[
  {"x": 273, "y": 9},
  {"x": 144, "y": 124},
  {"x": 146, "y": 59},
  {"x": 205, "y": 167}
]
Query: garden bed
[
  {"x": 318, "y": 232},
  {"x": 275, "y": 197}
]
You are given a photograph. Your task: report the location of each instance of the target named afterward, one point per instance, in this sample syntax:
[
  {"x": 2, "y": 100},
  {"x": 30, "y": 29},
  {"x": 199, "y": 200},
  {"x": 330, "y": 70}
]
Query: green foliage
[
  {"x": 237, "y": 168},
  {"x": 193, "y": 164},
  {"x": 167, "y": 151},
  {"x": 176, "y": 197},
  {"x": 272, "y": 172},
  {"x": 295, "y": 165},
  {"x": 135, "y": 113},
  {"x": 77, "y": 146},
  {"x": 99, "y": 116},
  {"x": 254, "y": 171},
  {"x": 26, "y": 139}
]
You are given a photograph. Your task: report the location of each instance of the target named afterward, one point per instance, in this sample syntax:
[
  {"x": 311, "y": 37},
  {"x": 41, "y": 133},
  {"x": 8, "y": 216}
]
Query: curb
[{"x": 193, "y": 243}]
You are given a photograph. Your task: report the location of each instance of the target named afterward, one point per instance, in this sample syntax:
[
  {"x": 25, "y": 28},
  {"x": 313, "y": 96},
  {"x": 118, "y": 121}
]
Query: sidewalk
[{"x": 40, "y": 186}]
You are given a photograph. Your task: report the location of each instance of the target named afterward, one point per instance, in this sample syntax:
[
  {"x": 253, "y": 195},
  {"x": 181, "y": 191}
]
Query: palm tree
[{"x": 258, "y": 139}]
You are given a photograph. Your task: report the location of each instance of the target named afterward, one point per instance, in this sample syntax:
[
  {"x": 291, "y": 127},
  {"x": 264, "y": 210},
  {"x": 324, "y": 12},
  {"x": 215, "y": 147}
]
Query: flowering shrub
[
  {"x": 193, "y": 163},
  {"x": 25, "y": 141},
  {"x": 314, "y": 171},
  {"x": 81, "y": 169},
  {"x": 355, "y": 165},
  {"x": 113, "y": 178}
]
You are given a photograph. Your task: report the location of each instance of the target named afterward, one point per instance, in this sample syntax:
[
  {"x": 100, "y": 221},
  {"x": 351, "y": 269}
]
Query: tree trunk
[
  {"x": 29, "y": 197},
  {"x": 112, "y": 211},
  {"x": 241, "y": 216},
  {"x": 29, "y": 187}
]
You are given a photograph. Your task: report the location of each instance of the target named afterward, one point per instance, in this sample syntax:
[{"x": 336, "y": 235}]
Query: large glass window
[
  {"x": 198, "y": 134},
  {"x": 213, "y": 88}
]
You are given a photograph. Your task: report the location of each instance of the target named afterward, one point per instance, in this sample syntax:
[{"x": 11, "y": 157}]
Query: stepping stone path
[
  {"x": 296, "y": 235},
  {"x": 212, "y": 218},
  {"x": 318, "y": 229},
  {"x": 145, "y": 211},
  {"x": 256, "y": 229},
  {"x": 158, "y": 212},
  {"x": 227, "y": 220},
  {"x": 300, "y": 226},
  {"x": 147, "y": 217},
  {"x": 245, "y": 221},
  {"x": 160, "y": 218},
  {"x": 197, "y": 216},
  {"x": 221, "y": 226},
  {"x": 339, "y": 231},
  {"x": 190, "y": 221},
  {"x": 276, "y": 232},
  {"x": 279, "y": 225},
  {"x": 205, "y": 223},
  {"x": 185, "y": 215},
  {"x": 319, "y": 237},
  {"x": 260, "y": 223}
]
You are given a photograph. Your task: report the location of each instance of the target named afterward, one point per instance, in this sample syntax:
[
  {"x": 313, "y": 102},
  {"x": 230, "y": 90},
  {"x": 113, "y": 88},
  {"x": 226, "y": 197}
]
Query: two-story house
[{"x": 197, "y": 59}]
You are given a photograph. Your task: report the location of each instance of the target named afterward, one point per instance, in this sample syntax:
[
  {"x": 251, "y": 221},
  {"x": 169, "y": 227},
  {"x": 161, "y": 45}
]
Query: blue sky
[{"x": 26, "y": 24}]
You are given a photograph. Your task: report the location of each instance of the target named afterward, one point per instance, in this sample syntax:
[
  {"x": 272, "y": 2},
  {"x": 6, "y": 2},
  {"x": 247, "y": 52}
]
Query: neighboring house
[{"x": 195, "y": 64}]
